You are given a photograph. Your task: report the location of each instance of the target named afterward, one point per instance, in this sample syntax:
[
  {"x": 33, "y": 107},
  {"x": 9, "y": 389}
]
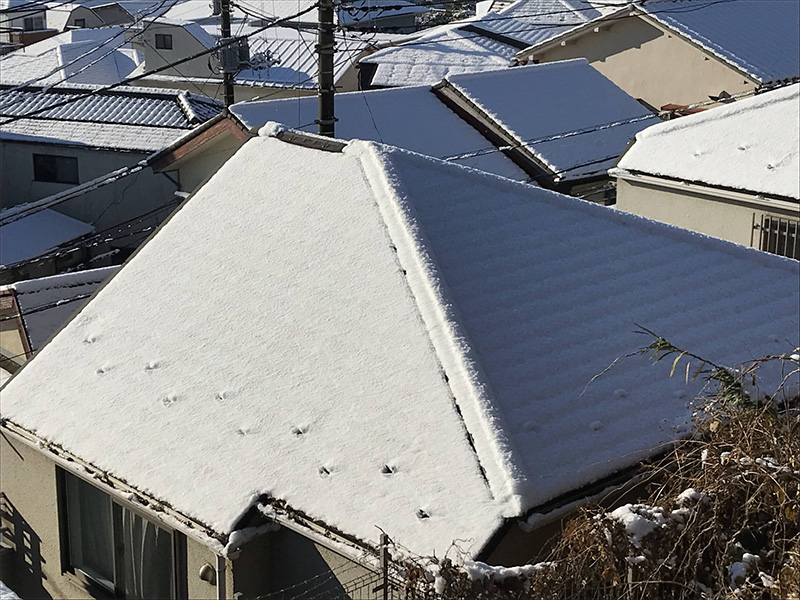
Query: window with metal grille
[
  {"x": 55, "y": 169},
  {"x": 780, "y": 236}
]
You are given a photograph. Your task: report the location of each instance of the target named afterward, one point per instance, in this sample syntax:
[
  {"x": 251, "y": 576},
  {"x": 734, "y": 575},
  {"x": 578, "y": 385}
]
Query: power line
[
  {"x": 171, "y": 65},
  {"x": 125, "y": 29}
]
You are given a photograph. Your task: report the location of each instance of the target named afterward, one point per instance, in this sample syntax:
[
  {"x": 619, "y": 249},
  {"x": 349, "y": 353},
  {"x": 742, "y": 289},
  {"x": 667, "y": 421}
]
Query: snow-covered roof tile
[
  {"x": 93, "y": 135},
  {"x": 430, "y": 127},
  {"x": 46, "y": 303},
  {"x": 570, "y": 116},
  {"x": 34, "y": 235},
  {"x": 758, "y": 36},
  {"x": 400, "y": 308},
  {"x": 121, "y": 106},
  {"x": 752, "y": 144}
]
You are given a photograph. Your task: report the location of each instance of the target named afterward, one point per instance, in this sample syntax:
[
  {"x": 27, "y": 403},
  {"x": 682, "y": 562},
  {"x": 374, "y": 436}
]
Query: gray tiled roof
[{"x": 122, "y": 106}]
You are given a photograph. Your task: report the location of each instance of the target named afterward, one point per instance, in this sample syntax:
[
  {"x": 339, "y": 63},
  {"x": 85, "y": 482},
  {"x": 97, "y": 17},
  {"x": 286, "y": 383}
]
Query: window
[
  {"x": 163, "y": 41},
  {"x": 33, "y": 23},
  {"x": 55, "y": 169},
  {"x": 80, "y": 23},
  {"x": 780, "y": 236},
  {"x": 114, "y": 548}
]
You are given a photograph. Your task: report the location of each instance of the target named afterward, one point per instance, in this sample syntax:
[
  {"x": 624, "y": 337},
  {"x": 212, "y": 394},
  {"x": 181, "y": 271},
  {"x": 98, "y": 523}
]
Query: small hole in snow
[
  {"x": 770, "y": 167},
  {"x": 298, "y": 431},
  {"x": 101, "y": 371},
  {"x": 220, "y": 395},
  {"x": 152, "y": 366},
  {"x": 324, "y": 472},
  {"x": 90, "y": 340},
  {"x": 421, "y": 514},
  {"x": 387, "y": 470}
]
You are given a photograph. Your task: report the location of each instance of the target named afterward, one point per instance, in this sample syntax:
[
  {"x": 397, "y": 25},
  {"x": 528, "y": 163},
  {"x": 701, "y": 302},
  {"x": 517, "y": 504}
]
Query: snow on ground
[
  {"x": 751, "y": 144},
  {"x": 6, "y": 593}
]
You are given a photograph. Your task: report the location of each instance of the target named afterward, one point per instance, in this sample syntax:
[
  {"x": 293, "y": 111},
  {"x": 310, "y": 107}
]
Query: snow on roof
[
  {"x": 365, "y": 12},
  {"x": 400, "y": 309},
  {"x": 47, "y": 303},
  {"x": 430, "y": 128},
  {"x": 34, "y": 235},
  {"x": 122, "y": 106},
  {"x": 751, "y": 144},
  {"x": 480, "y": 43},
  {"x": 538, "y": 104},
  {"x": 91, "y": 135},
  {"x": 758, "y": 36},
  {"x": 68, "y": 54},
  {"x": 433, "y": 57}
]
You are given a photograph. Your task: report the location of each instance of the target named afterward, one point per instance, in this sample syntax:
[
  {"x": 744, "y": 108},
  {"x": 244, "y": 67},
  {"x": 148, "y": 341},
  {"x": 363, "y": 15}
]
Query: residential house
[
  {"x": 32, "y": 311},
  {"x": 676, "y": 53},
  {"x": 381, "y": 15},
  {"x": 93, "y": 56},
  {"x": 481, "y": 43},
  {"x": 23, "y": 22},
  {"x": 731, "y": 172},
  {"x": 53, "y": 139},
  {"x": 329, "y": 340},
  {"x": 44, "y": 242},
  {"x": 280, "y": 60},
  {"x": 562, "y": 127}
]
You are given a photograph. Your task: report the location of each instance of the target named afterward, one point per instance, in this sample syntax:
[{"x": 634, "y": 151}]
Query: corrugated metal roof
[
  {"x": 759, "y": 36},
  {"x": 123, "y": 106}
]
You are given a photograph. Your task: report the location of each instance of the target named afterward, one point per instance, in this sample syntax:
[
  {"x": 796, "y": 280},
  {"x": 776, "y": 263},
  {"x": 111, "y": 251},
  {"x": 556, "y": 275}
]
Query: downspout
[{"x": 221, "y": 565}]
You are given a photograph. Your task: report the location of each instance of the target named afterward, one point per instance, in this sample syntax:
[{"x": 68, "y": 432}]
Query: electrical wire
[{"x": 173, "y": 64}]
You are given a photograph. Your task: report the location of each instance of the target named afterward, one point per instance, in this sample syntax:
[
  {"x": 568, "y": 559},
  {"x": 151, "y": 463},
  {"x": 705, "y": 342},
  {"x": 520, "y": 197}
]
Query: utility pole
[
  {"x": 225, "y": 30},
  {"x": 325, "y": 49}
]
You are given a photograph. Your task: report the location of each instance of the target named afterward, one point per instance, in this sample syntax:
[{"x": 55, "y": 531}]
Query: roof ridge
[{"x": 471, "y": 388}]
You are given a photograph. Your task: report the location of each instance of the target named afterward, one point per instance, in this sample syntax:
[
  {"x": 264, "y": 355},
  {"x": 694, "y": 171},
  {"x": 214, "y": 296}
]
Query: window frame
[
  {"x": 80, "y": 23},
  {"x": 63, "y": 175},
  {"x": 163, "y": 41},
  {"x": 179, "y": 579}
]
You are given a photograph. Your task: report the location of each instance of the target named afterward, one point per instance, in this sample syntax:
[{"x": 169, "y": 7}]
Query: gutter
[
  {"x": 117, "y": 488},
  {"x": 742, "y": 198}
]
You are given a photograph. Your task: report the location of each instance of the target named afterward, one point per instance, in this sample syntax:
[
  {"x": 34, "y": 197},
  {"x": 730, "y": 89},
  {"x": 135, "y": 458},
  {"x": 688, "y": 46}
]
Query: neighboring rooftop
[
  {"x": 95, "y": 56},
  {"x": 429, "y": 127},
  {"x": 478, "y": 44},
  {"x": 574, "y": 120},
  {"x": 414, "y": 345},
  {"x": 46, "y": 303},
  {"x": 760, "y": 37},
  {"x": 126, "y": 117},
  {"x": 34, "y": 235},
  {"x": 752, "y": 145}
]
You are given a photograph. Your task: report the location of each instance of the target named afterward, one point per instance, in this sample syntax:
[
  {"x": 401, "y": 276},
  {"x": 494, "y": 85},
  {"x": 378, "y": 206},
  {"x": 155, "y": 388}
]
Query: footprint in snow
[{"x": 169, "y": 400}]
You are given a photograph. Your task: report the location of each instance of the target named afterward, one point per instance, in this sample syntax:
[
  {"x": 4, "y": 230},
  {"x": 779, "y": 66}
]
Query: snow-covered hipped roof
[
  {"x": 46, "y": 303},
  {"x": 751, "y": 144},
  {"x": 429, "y": 127},
  {"x": 566, "y": 113},
  {"x": 758, "y": 36},
  {"x": 383, "y": 339}
]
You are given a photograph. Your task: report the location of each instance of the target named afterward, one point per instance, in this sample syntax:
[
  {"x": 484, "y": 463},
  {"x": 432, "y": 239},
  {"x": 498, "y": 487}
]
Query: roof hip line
[{"x": 484, "y": 426}]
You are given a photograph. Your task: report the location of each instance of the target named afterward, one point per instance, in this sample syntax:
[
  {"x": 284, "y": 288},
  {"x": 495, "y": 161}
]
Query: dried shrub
[{"x": 722, "y": 520}]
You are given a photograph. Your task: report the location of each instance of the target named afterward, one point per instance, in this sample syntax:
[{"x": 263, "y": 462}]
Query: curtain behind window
[{"x": 147, "y": 558}]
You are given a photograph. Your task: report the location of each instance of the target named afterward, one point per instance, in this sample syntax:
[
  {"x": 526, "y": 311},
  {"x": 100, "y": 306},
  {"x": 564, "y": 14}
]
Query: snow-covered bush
[{"x": 722, "y": 520}]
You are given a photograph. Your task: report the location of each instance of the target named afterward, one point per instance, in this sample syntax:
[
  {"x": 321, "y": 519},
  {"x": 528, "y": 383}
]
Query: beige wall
[
  {"x": 200, "y": 164},
  {"x": 29, "y": 484},
  {"x": 705, "y": 213},
  {"x": 650, "y": 64}
]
